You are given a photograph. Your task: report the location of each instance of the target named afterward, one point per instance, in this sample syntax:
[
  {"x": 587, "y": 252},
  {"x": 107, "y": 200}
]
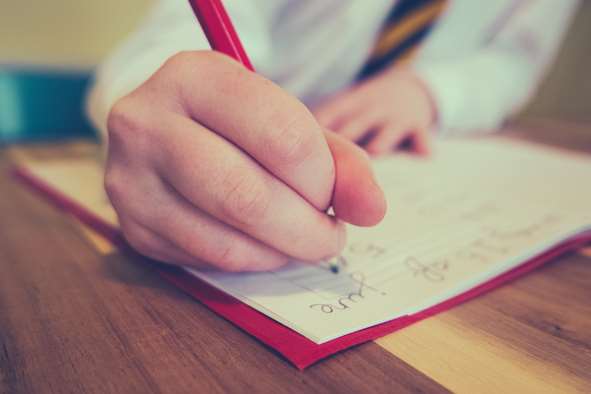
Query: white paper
[
  {"x": 471, "y": 212},
  {"x": 474, "y": 210}
]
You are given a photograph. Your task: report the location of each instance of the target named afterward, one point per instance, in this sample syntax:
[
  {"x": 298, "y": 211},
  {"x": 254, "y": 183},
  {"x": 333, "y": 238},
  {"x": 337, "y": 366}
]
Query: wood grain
[
  {"x": 533, "y": 335},
  {"x": 76, "y": 316},
  {"x": 75, "y": 320}
]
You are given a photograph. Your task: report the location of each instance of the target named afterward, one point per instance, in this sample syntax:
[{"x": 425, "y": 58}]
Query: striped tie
[{"x": 405, "y": 27}]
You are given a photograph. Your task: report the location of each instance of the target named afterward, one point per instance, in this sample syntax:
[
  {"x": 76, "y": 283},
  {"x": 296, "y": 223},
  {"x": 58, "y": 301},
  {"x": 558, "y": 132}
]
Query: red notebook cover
[{"x": 298, "y": 349}]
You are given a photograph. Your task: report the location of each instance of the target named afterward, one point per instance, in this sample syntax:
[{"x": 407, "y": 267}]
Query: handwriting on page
[
  {"x": 485, "y": 247},
  {"x": 350, "y": 299},
  {"x": 472, "y": 211},
  {"x": 454, "y": 221},
  {"x": 433, "y": 256},
  {"x": 474, "y": 230}
]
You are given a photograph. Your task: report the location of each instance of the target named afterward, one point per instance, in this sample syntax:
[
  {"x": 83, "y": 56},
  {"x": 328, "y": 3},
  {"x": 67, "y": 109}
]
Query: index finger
[{"x": 259, "y": 117}]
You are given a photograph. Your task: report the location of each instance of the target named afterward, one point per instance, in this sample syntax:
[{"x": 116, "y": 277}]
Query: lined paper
[{"x": 471, "y": 212}]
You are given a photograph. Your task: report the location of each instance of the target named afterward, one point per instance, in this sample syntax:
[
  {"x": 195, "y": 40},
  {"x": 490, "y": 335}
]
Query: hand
[
  {"x": 210, "y": 164},
  {"x": 382, "y": 113}
]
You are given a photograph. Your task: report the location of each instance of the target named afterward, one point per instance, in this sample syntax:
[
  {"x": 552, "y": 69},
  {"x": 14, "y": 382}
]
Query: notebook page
[
  {"x": 472, "y": 211},
  {"x": 79, "y": 179},
  {"x": 475, "y": 209}
]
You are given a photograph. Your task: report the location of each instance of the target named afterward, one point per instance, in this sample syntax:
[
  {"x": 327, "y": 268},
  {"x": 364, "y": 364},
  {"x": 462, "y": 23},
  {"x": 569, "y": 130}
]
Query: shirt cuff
[{"x": 475, "y": 94}]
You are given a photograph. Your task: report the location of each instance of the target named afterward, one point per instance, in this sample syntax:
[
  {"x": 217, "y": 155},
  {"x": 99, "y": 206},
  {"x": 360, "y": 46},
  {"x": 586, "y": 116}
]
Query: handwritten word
[
  {"x": 433, "y": 272},
  {"x": 370, "y": 250},
  {"x": 348, "y": 300}
]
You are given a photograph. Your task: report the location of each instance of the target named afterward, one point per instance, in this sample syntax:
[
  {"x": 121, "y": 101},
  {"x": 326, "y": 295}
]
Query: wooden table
[{"x": 76, "y": 319}]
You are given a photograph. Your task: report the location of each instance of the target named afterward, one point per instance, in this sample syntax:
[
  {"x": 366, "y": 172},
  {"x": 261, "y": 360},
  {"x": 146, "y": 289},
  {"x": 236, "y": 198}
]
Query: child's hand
[
  {"x": 382, "y": 113},
  {"x": 211, "y": 164}
]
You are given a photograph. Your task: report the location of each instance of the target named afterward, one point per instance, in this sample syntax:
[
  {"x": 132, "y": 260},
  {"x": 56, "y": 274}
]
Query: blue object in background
[{"x": 42, "y": 104}]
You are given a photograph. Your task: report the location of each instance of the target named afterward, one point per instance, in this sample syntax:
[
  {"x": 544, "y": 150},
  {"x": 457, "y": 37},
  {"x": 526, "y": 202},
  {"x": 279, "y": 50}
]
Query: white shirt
[{"x": 481, "y": 61}]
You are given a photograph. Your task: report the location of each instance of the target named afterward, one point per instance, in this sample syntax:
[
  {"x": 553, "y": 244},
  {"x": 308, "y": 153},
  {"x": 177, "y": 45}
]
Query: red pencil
[
  {"x": 218, "y": 29},
  {"x": 222, "y": 37}
]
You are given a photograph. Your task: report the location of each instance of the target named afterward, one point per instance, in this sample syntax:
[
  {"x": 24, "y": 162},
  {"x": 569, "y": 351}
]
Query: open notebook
[{"x": 474, "y": 210}]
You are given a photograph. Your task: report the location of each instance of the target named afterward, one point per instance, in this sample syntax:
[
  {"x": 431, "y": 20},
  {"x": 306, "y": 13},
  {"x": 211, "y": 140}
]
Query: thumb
[{"x": 357, "y": 198}]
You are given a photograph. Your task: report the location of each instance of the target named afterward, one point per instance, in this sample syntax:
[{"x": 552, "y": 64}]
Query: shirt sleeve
[
  {"x": 169, "y": 28},
  {"x": 476, "y": 92}
]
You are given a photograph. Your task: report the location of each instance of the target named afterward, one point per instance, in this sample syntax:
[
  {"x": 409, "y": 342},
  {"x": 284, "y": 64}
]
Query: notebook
[{"x": 469, "y": 216}]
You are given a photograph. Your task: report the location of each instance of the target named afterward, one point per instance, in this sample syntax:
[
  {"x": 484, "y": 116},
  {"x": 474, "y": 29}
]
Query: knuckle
[
  {"x": 186, "y": 62},
  {"x": 123, "y": 122},
  {"x": 181, "y": 57},
  {"x": 215, "y": 58},
  {"x": 246, "y": 198},
  {"x": 180, "y": 61},
  {"x": 292, "y": 142},
  {"x": 223, "y": 73},
  {"x": 115, "y": 186}
]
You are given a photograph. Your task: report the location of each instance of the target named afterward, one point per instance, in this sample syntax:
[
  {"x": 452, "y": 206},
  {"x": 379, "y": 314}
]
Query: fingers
[
  {"x": 357, "y": 198},
  {"x": 357, "y": 126},
  {"x": 421, "y": 143},
  {"x": 199, "y": 249},
  {"x": 347, "y": 116},
  {"x": 385, "y": 140},
  {"x": 151, "y": 245},
  {"x": 256, "y": 115},
  {"x": 185, "y": 235},
  {"x": 230, "y": 186},
  {"x": 389, "y": 138},
  {"x": 162, "y": 225},
  {"x": 382, "y": 113},
  {"x": 334, "y": 111},
  {"x": 201, "y": 235}
]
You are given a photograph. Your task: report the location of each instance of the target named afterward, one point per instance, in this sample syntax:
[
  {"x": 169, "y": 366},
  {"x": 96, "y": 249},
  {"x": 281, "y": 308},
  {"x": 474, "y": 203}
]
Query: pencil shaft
[{"x": 218, "y": 29}]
